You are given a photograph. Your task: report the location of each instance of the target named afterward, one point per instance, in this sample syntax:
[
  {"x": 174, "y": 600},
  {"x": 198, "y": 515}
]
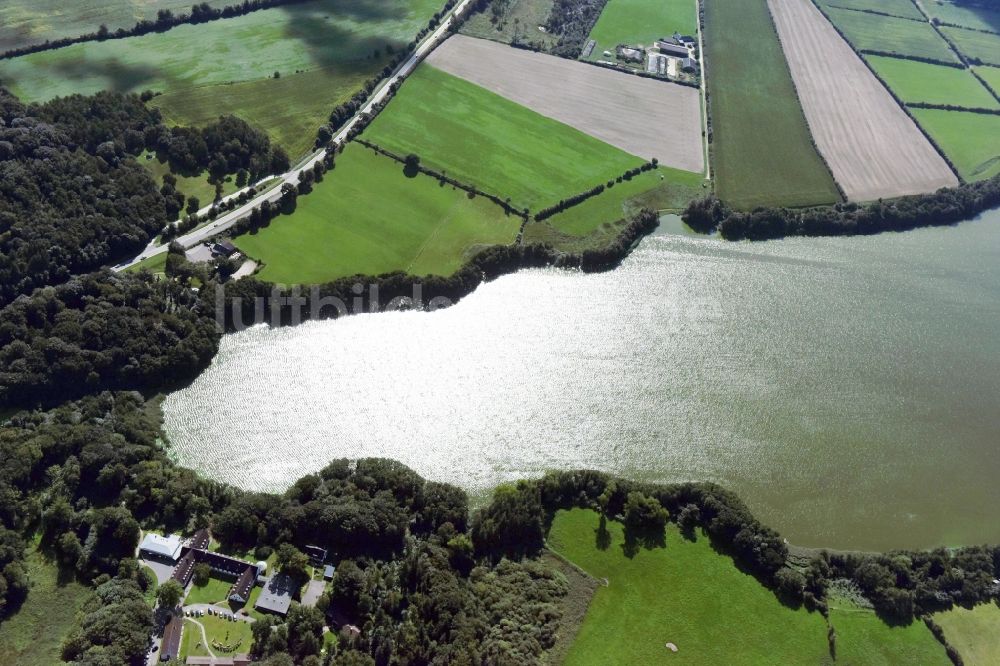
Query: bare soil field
[
  {"x": 641, "y": 116},
  {"x": 873, "y": 148}
]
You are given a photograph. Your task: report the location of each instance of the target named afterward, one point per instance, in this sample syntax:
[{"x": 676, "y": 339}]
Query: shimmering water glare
[{"x": 847, "y": 388}]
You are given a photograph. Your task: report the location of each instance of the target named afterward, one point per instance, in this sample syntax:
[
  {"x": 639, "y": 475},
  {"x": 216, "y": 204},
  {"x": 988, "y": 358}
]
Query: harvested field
[
  {"x": 644, "y": 117},
  {"x": 871, "y": 145}
]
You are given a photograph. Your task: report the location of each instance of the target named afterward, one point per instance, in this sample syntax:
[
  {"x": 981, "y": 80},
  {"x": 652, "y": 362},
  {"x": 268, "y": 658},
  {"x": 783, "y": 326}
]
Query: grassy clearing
[
  {"x": 519, "y": 23},
  {"x": 157, "y": 264},
  {"x": 641, "y": 22},
  {"x": 763, "y": 153},
  {"x": 871, "y": 32},
  {"x": 863, "y": 638},
  {"x": 974, "y": 633},
  {"x": 977, "y": 18},
  {"x": 902, "y": 8},
  {"x": 991, "y": 75},
  {"x": 935, "y": 84},
  {"x": 367, "y": 217},
  {"x": 25, "y": 22},
  {"x": 33, "y": 636},
  {"x": 191, "y": 186},
  {"x": 216, "y": 629},
  {"x": 686, "y": 594},
  {"x": 482, "y": 138},
  {"x": 976, "y": 45},
  {"x": 214, "y": 592},
  {"x": 970, "y": 140},
  {"x": 290, "y": 108}
]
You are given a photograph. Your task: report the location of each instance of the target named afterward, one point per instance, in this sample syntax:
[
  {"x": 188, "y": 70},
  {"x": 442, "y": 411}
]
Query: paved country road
[{"x": 292, "y": 177}]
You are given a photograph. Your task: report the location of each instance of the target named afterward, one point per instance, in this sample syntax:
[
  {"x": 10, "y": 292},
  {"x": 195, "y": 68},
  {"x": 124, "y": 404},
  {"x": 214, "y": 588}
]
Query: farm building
[
  {"x": 686, "y": 40},
  {"x": 154, "y": 545},
  {"x": 629, "y": 53},
  {"x": 656, "y": 63},
  {"x": 668, "y": 46}
]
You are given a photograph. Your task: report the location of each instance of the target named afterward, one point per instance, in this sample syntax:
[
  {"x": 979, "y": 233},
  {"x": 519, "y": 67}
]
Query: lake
[{"x": 847, "y": 388}]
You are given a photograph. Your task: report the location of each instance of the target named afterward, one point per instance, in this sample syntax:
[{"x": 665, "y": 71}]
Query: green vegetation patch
[
  {"x": 157, "y": 264},
  {"x": 367, "y": 217},
  {"x": 486, "y": 140},
  {"x": 871, "y": 32},
  {"x": 974, "y": 632},
  {"x": 762, "y": 150},
  {"x": 863, "y": 638},
  {"x": 975, "y": 45},
  {"x": 236, "y": 635},
  {"x": 513, "y": 21},
  {"x": 213, "y": 592},
  {"x": 916, "y": 81},
  {"x": 641, "y": 22},
  {"x": 968, "y": 16},
  {"x": 685, "y": 594},
  {"x": 991, "y": 75},
  {"x": 34, "y": 635},
  {"x": 970, "y": 140},
  {"x": 902, "y": 8}
]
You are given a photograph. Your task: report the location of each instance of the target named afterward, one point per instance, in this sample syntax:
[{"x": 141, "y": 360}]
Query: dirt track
[
  {"x": 871, "y": 145},
  {"x": 641, "y": 116}
]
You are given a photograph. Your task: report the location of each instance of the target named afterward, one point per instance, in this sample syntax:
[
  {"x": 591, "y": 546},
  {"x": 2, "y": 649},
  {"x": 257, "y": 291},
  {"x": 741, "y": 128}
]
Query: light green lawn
[
  {"x": 237, "y": 634},
  {"x": 762, "y": 150},
  {"x": 978, "y": 18},
  {"x": 641, "y": 22},
  {"x": 484, "y": 139},
  {"x": 934, "y": 84},
  {"x": 902, "y": 8},
  {"x": 991, "y": 75},
  {"x": 368, "y": 217},
  {"x": 975, "y": 44},
  {"x": 214, "y": 592},
  {"x": 974, "y": 633},
  {"x": 863, "y": 639},
  {"x": 686, "y": 594},
  {"x": 196, "y": 186},
  {"x": 157, "y": 264},
  {"x": 33, "y": 636},
  {"x": 871, "y": 32},
  {"x": 970, "y": 140}
]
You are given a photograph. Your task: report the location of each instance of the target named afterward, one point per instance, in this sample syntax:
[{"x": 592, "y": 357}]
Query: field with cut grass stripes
[
  {"x": 974, "y": 632},
  {"x": 991, "y": 75},
  {"x": 902, "y": 8},
  {"x": 871, "y": 32},
  {"x": 970, "y": 140},
  {"x": 934, "y": 84},
  {"x": 484, "y": 139},
  {"x": 367, "y": 217},
  {"x": 863, "y": 638},
  {"x": 977, "y": 46},
  {"x": 641, "y": 22},
  {"x": 762, "y": 149},
  {"x": 684, "y": 593}
]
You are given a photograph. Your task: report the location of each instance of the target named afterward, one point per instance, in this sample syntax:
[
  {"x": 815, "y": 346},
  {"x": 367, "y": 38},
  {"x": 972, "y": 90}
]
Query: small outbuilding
[{"x": 328, "y": 572}]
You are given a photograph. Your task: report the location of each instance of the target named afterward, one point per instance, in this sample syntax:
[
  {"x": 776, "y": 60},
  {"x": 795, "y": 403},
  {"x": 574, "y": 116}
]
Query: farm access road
[{"x": 292, "y": 177}]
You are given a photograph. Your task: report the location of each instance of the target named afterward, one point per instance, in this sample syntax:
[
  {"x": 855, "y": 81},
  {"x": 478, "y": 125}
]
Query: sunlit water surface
[{"x": 848, "y": 389}]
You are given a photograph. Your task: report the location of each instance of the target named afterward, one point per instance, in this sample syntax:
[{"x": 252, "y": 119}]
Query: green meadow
[
  {"x": 977, "y": 18},
  {"x": 864, "y": 639},
  {"x": 216, "y": 629},
  {"x": 519, "y": 22},
  {"x": 970, "y": 140},
  {"x": 198, "y": 65},
  {"x": 975, "y": 633},
  {"x": 762, "y": 150},
  {"x": 991, "y": 75},
  {"x": 484, "y": 139},
  {"x": 934, "y": 84},
  {"x": 367, "y": 217},
  {"x": 872, "y": 32},
  {"x": 684, "y": 593},
  {"x": 903, "y": 8},
  {"x": 973, "y": 44},
  {"x": 641, "y": 22},
  {"x": 26, "y": 22}
]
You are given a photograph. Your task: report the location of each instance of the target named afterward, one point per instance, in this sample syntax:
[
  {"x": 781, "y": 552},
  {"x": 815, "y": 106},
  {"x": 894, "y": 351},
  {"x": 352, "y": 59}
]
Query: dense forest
[{"x": 948, "y": 205}]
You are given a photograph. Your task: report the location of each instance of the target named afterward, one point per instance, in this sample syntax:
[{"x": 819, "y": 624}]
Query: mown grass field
[
  {"x": 25, "y": 22},
  {"x": 903, "y": 8},
  {"x": 872, "y": 32},
  {"x": 224, "y": 631},
  {"x": 977, "y": 18},
  {"x": 935, "y": 84},
  {"x": 519, "y": 23},
  {"x": 686, "y": 594},
  {"x": 641, "y": 22},
  {"x": 367, "y": 217},
  {"x": 975, "y": 633},
  {"x": 33, "y": 636},
  {"x": 991, "y": 75},
  {"x": 974, "y": 44},
  {"x": 762, "y": 150},
  {"x": 484, "y": 139},
  {"x": 863, "y": 638},
  {"x": 196, "y": 65},
  {"x": 215, "y": 591},
  {"x": 970, "y": 140}
]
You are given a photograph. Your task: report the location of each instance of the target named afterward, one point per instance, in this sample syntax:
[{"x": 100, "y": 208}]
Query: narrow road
[
  {"x": 292, "y": 177},
  {"x": 704, "y": 96}
]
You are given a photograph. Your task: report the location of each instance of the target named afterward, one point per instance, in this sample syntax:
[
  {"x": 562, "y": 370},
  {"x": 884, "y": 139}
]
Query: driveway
[
  {"x": 313, "y": 592},
  {"x": 163, "y": 570}
]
